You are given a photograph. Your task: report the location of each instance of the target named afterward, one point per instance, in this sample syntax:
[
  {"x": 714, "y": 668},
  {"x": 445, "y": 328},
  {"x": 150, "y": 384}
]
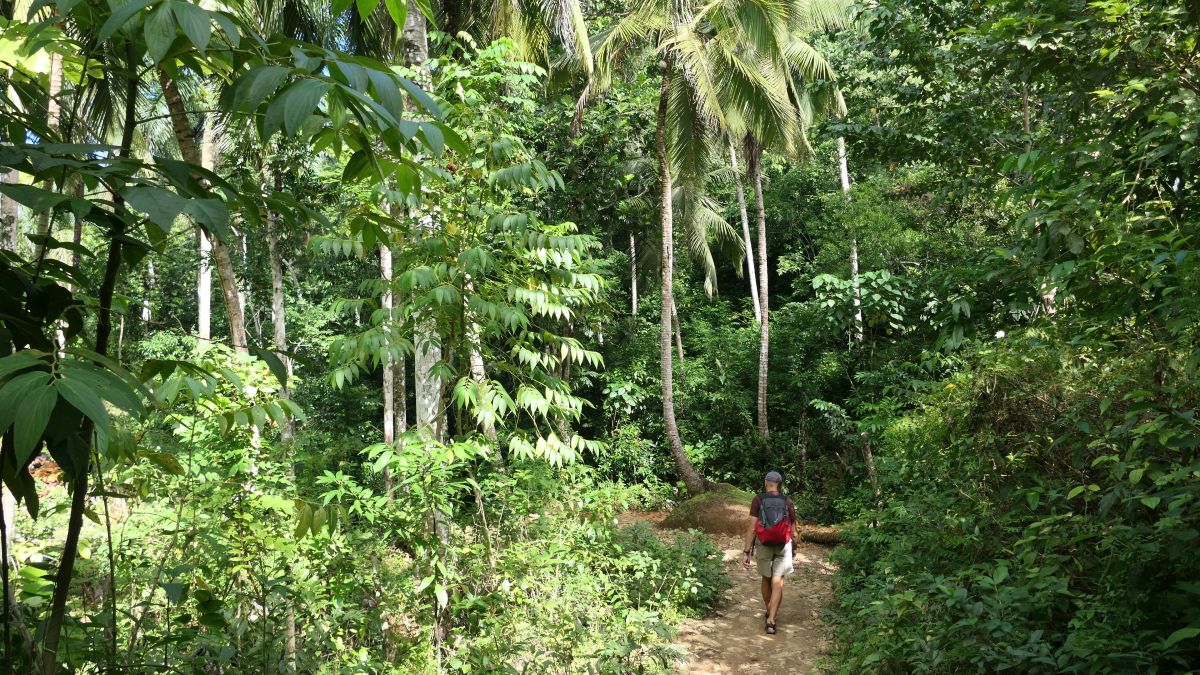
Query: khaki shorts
[{"x": 773, "y": 561}]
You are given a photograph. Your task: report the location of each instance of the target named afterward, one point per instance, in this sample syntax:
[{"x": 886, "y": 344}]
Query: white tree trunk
[
  {"x": 10, "y": 213},
  {"x": 844, "y": 169},
  {"x": 633, "y": 274},
  {"x": 751, "y": 259},
  {"x": 151, "y": 280},
  {"x": 754, "y": 170}
]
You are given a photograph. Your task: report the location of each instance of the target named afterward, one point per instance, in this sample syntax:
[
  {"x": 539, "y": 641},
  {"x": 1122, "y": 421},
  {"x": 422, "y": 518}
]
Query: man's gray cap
[{"x": 773, "y": 477}]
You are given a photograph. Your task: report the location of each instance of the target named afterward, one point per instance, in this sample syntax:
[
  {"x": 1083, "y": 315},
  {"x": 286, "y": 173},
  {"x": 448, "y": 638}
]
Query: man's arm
[
  {"x": 795, "y": 525},
  {"x": 749, "y": 542}
]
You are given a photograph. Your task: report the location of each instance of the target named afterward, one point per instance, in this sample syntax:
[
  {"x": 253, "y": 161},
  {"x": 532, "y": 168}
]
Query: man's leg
[
  {"x": 766, "y": 592},
  {"x": 776, "y": 598}
]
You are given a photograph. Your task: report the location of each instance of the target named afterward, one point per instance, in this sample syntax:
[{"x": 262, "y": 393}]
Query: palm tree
[
  {"x": 706, "y": 76},
  {"x": 809, "y": 87}
]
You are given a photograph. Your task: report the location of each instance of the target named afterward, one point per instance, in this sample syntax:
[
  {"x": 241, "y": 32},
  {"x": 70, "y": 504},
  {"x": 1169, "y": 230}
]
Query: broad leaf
[
  {"x": 195, "y": 22},
  {"x": 32, "y": 417},
  {"x": 121, "y": 16}
]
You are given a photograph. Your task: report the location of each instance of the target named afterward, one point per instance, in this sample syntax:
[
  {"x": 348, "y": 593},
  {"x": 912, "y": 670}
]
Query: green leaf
[
  {"x": 278, "y": 369},
  {"x": 14, "y": 392},
  {"x": 84, "y": 400},
  {"x": 37, "y": 199},
  {"x": 1075, "y": 491},
  {"x": 212, "y": 213},
  {"x": 365, "y": 7},
  {"x": 1181, "y": 635},
  {"x": 174, "y": 591},
  {"x": 398, "y": 9},
  {"x": 422, "y": 98},
  {"x": 426, "y": 9},
  {"x": 17, "y": 362},
  {"x": 293, "y": 106},
  {"x": 32, "y": 417},
  {"x": 195, "y": 22},
  {"x": 121, "y": 16},
  {"x": 386, "y": 92},
  {"x": 257, "y": 84},
  {"x": 433, "y": 138},
  {"x": 160, "y": 33},
  {"x": 1000, "y": 574},
  {"x": 1151, "y": 502},
  {"x": 160, "y": 205}
]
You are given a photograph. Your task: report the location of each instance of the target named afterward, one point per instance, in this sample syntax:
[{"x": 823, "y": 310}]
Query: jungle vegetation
[{"x": 334, "y": 336}]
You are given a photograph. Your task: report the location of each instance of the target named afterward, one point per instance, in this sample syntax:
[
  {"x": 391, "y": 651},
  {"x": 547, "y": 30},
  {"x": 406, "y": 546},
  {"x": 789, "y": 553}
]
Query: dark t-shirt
[{"x": 757, "y": 504}]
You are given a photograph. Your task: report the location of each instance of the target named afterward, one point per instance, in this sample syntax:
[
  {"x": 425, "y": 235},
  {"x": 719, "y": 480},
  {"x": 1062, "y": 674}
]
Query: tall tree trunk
[
  {"x": 108, "y": 285},
  {"x": 751, "y": 259},
  {"x": 844, "y": 170},
  {"x": 287, "y": 430},
  {"x": 754, "y": 171},
  {"x": 53, "y": 115},
  {"x": 151, "y": 282},
  {"x": 430, "y": 418},
  {"x": 10, "y": 214},
  {"x": 185, "y": 136},
  {"x": 692, "y": 479},
  {"x": 633, "y": 272},
  {"x": 675, "y": 310},
  {"x": 389, "y": 373}
]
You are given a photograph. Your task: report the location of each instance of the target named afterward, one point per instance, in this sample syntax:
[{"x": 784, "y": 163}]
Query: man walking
[{"x": 770, "y": 534}]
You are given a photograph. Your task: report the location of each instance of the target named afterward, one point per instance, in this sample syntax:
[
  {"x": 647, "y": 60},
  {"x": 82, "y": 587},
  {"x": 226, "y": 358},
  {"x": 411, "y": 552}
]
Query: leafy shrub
[{"x": 1039, "y": 515}]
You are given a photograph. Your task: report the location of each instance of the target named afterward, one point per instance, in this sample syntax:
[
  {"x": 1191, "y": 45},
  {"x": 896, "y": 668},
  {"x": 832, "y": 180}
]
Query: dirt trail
[{"x": 732, "y": 638}]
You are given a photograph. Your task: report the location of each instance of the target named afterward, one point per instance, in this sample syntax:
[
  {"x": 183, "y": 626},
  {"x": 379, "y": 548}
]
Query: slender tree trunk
[
  {"x": 751, "y": 259},
  {"x": 151, "y": 281},
  {"x": 633, "y": 272},
  {"x": 692, "y": 479},
  {"x": 186, "y": 138},
  {"x": 754, "y": 171},
  {"x": 108, "y": 285},
  {"x": 77, "y": 229},
  {"x": 204, "y": 290},
  {"x": 10, "y": 214},
  {"x": 844, "y": 170},
  {"x": 430, "y": 418},
  {"x": 869, "y": 458},
  {"x": 675, "y": 311},
  {"x": 53, "y": 115},
  {"x": 287, "y": 430},
  {"x": 389, "y": 373}
]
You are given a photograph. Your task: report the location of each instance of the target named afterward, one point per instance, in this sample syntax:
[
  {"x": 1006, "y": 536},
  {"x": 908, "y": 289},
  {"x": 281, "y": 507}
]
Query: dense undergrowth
[
  {"x": 1062, "y": 539},
  {"x": 537, "y": 576}
]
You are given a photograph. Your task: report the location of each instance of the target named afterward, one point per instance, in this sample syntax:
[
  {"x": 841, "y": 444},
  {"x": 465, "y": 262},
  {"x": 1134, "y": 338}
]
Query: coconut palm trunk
[
  {"x": 754, "y": 172},
  {"x": 692, "y": 479},
  {"x": 751, "y": 258},
  {"x": 186, "y": 138}
]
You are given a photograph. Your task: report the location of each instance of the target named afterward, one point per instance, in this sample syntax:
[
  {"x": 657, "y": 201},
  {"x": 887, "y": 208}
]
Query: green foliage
[{"x": 1061, "y": 542}]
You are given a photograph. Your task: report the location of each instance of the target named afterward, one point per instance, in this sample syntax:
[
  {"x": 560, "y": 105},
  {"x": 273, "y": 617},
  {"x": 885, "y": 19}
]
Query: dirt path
[{"x": 732, "y": 639}]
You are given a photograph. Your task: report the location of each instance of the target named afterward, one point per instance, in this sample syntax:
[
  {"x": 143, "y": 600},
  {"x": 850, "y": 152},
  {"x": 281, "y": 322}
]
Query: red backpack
[{"x": 773, "y": 527}]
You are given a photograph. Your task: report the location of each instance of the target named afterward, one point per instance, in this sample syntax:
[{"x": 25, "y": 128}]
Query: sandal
[{"x": 771, "y": 628}]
